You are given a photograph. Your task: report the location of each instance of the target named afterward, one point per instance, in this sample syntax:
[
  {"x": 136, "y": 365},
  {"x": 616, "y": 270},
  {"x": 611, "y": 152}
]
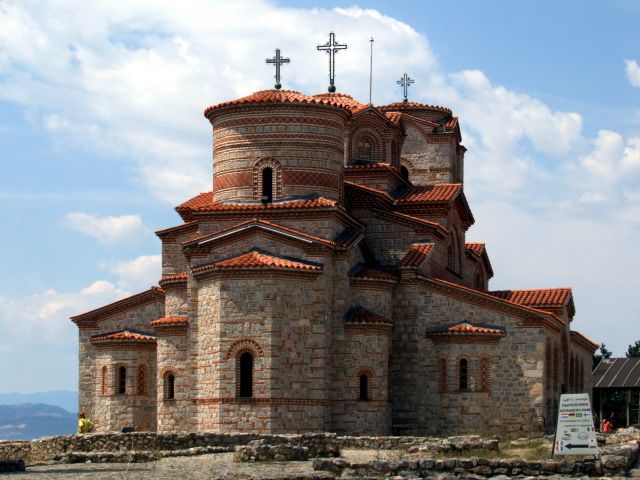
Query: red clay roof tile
[
  {"x": 545, "y": 297},
  {"x": 123, "y": 336},
  {"x": 394, "y": 117},
  {"x": 166, "y": 321},
  {"x": 342, "y": 100},
  {"x": 417, "y": 253},
  {"x": 178, "y": 277},
  {"x": 399, "y": 106},
  {"x": 255, "y": 259},
  {"x": 204, "y": 203},
  {"x": 465, "y": 328},
  {"x": 475, "y": 247},
  {"x": 282, "y": 96},
  {"x": 435, "y": 193}
]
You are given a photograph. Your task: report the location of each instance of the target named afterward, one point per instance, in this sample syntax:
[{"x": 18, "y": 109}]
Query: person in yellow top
[{"x": 84, "y": 424}]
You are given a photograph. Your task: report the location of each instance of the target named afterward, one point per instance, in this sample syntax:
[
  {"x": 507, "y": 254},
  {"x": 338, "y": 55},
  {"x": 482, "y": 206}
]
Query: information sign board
[{"x": 575, "y": 433}]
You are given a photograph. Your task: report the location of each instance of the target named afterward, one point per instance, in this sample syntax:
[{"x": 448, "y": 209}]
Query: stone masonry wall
[
  {"x": 90, "y": 370},
  {"x": 515, "y": 399},
  {"x": 279, "y": 319},
  {"x": 432, "y": 162}
]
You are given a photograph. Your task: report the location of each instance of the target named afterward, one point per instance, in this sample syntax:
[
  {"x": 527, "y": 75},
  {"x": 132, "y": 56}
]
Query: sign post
[{"x": 575, "y": 432}]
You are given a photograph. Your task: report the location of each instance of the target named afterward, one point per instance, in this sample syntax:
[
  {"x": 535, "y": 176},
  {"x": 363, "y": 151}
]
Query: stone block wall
[
  {"x": 280, "y": 320},
  {"x": 92, "y": 359},
  {"x": 422, "y": 405},
  {"x": 430, "y": 158}
]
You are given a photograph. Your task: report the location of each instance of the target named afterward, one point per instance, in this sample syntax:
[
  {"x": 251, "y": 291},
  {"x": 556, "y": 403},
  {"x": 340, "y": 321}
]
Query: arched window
[
  {"x": 169, "y": 386},
  {"x": 246, "y": 375},
  {"x": 105, "y": 380},
  {"x": 142, "y": 380},
  {"x": 404, "y": 173},
  {"x": 463, "y": 374},
  {"x": 364, "y": 387},
  {"x": 122, "y": 381},
  {"x": 451, "y": 257},
  {"x": 478, "y": 284},
  {"x": 267, "y": 185}
]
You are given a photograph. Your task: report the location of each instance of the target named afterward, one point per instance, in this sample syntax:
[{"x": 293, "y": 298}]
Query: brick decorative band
[{"x": 260, "y": 401}]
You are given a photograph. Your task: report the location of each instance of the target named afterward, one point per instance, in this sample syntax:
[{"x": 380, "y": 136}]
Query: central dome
[{"x": 278, "y": 144}]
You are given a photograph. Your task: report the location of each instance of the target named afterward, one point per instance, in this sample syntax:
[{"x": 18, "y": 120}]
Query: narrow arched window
[
  {"x": 404, "y": 173},
  {"x": 463, "y": 375},
  {"x": 169, "y": 386},
  {"x": 267, "y": 185},
  {"x": 246, "y": 375},
  {"x": 451, "y": 257},
  {"x": 478, "y": 284},
  {"x": 364, "y": 387},
  {"x": 142, "y": 380},
  {"x": 122, "y": 381}
]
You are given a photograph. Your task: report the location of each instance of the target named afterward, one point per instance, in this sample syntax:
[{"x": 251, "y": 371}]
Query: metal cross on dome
[
  {"x": 405, "y": 81},
  {"x": 277, "y": 60},
  {"x": 331, "y": 47}
]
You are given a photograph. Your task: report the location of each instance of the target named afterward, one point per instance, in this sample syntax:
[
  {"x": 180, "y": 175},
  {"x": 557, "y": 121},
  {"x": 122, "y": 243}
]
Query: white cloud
[
  {"x": 107, "y": 230},
  {"x": 39, "y": 340},
  {"x": 43, "y": 318},
  {"x": 633, "y": 72},
  {"x": 137, "y": 274},
  {"x": 132, "y": 79},
  {"x": 497, "y": 122}
]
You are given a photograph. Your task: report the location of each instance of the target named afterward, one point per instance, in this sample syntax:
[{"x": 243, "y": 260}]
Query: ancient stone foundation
[{"x": 468, "y": 456}]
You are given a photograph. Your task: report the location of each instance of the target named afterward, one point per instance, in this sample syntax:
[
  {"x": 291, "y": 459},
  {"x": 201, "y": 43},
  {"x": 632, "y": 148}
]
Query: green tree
[
  {"x": 634, "y": 350},
  {"x": 604, "y": 352}
]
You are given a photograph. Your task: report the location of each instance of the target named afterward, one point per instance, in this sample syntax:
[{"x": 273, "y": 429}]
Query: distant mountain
[
  {"x": 60, "y": 398},
  {"x": 33, "y": 420}
]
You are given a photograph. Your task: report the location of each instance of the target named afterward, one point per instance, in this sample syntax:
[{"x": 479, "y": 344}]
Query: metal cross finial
[
  {"x": 405, "y": 81},
  {"x": 277, "y": 61},
  {"x": 331, "y": 47}
]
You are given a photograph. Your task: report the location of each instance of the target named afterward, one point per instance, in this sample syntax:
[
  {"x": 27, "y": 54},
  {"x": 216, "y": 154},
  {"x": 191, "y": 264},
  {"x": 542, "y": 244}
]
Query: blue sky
[{"x": 102, "y": 134}]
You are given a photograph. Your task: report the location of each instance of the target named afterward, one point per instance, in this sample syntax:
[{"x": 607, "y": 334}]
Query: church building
[{"x": 325, "y": 284}]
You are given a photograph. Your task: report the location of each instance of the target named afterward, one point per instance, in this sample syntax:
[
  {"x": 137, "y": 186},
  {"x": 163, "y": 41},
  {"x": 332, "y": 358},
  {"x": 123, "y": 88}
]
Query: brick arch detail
[
  {"x": 363, "y": 370},
  {"x": 258, "y": 167},
  {"x": 238, "y": 347},
  {"x": 374, "y": 136},
  {"x": 370, "y": 373},
  {"x": 408, "y": 165},
  {"x": 460, "y": 357},
  {"x": 167, "y": 370}
]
